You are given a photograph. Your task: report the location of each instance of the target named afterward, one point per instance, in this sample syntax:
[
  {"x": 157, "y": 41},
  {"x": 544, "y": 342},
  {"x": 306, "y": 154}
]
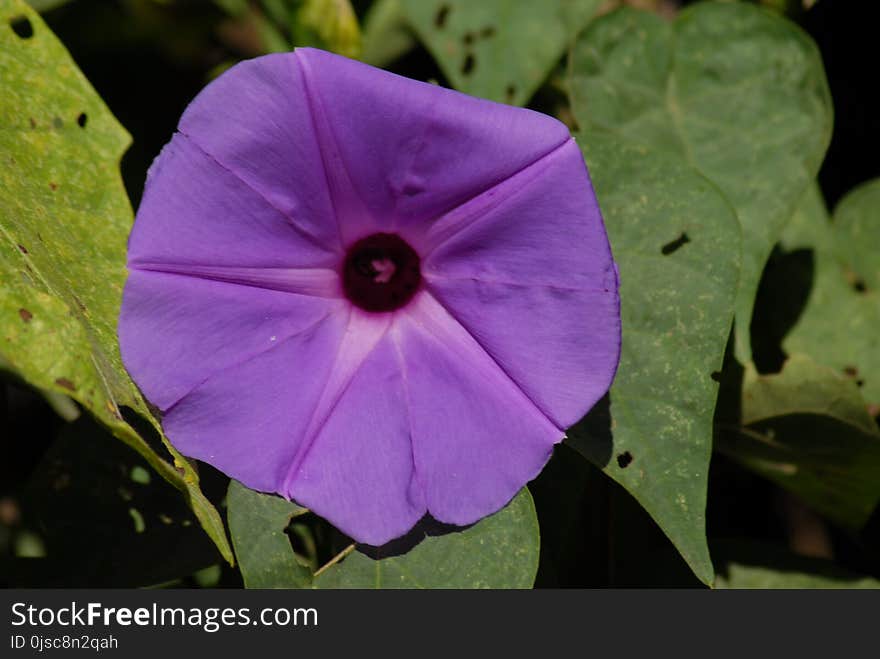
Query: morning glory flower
[{"x": 371, "y": 295}]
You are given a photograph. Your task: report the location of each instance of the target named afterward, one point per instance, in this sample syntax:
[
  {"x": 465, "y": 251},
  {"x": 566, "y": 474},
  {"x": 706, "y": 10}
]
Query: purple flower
[{"x": 372, "y": 295}]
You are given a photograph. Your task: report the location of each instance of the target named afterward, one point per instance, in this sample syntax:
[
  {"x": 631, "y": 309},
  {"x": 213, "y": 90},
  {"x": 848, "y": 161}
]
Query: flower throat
[{"x": 381, "y": 272}]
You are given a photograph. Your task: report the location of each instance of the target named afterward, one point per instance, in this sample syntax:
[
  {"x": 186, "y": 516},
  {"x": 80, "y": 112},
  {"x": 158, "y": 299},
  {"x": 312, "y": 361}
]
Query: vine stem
[{"x": 333, "y": 561}]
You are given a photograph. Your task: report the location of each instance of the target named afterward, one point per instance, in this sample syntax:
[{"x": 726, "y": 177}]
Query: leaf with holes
[
  {"x": 257, "y": 524},
  {"x": 498, "y": 49},
  {"x": 64, "y": 219},
  {"x": 808, "y": 429},
  {"x": 734, "y": 90},
  {"x": 676, "y": 241},
  {"x": 839, "y": 326},
  {"x": 500, "y": 551}
]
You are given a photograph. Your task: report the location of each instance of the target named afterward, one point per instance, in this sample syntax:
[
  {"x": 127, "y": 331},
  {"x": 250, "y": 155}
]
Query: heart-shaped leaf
[
  {"x": 676, "y": 241},
  {"x": 736, "y": 91}
]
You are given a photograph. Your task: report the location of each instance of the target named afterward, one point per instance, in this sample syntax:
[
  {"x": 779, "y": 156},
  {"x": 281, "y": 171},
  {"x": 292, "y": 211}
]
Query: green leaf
[
  {"x": 810, "y": 226},
  {"x": 498, "y": 49},
  {"x": 839, "y": 326},
  {"x": 328, "y": 24},
  {"x": 62, "y": 405},
  {"x": 233, "y": 7},
  {"x": 257, "y": 524},
  {"x": 808, "y": 429},
  {"x": 736, "y": 91},
  {"x": 271, "y": 37},
  {"x": 500, "y": 551},
  {"x": 804, "y": 387},
  {"x": 45, "y": 5},
  {"x": 752, "y": 565},
  {"x": 785, "y": 285},
  {"x": 676, "y": 242},
  {"x": 277, "y": 11},
  {"x": 387, "y": 35},
  {"x": 758, "y": 577},
  {"x": 64, "y": 220}
]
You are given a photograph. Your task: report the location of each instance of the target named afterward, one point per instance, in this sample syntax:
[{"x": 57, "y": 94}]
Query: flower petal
[
  {"x": 256, "y": 122},
  {"x": 358, "y": 471},
  {"x": 175, "y": 331},
  {"x": 195, "y": 212},
  {"x": 413, "y": 150},
  {"x": 532, "y": 280},
  {"x": 542, "y": 226},
  {"x": 250, "y": 419},
  {"x": 561, "y": 346},
  {"x": 233, "y": 321},
  {"x": 477, "y": 438}
]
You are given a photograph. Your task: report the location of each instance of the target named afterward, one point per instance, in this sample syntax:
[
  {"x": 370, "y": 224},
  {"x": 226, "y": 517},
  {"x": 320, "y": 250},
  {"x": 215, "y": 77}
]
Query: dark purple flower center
[{"x": 381, "y": 272}]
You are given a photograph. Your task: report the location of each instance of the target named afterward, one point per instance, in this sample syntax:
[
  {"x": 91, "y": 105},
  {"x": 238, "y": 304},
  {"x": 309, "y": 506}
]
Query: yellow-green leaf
[{"x": 64, "y": 219}]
